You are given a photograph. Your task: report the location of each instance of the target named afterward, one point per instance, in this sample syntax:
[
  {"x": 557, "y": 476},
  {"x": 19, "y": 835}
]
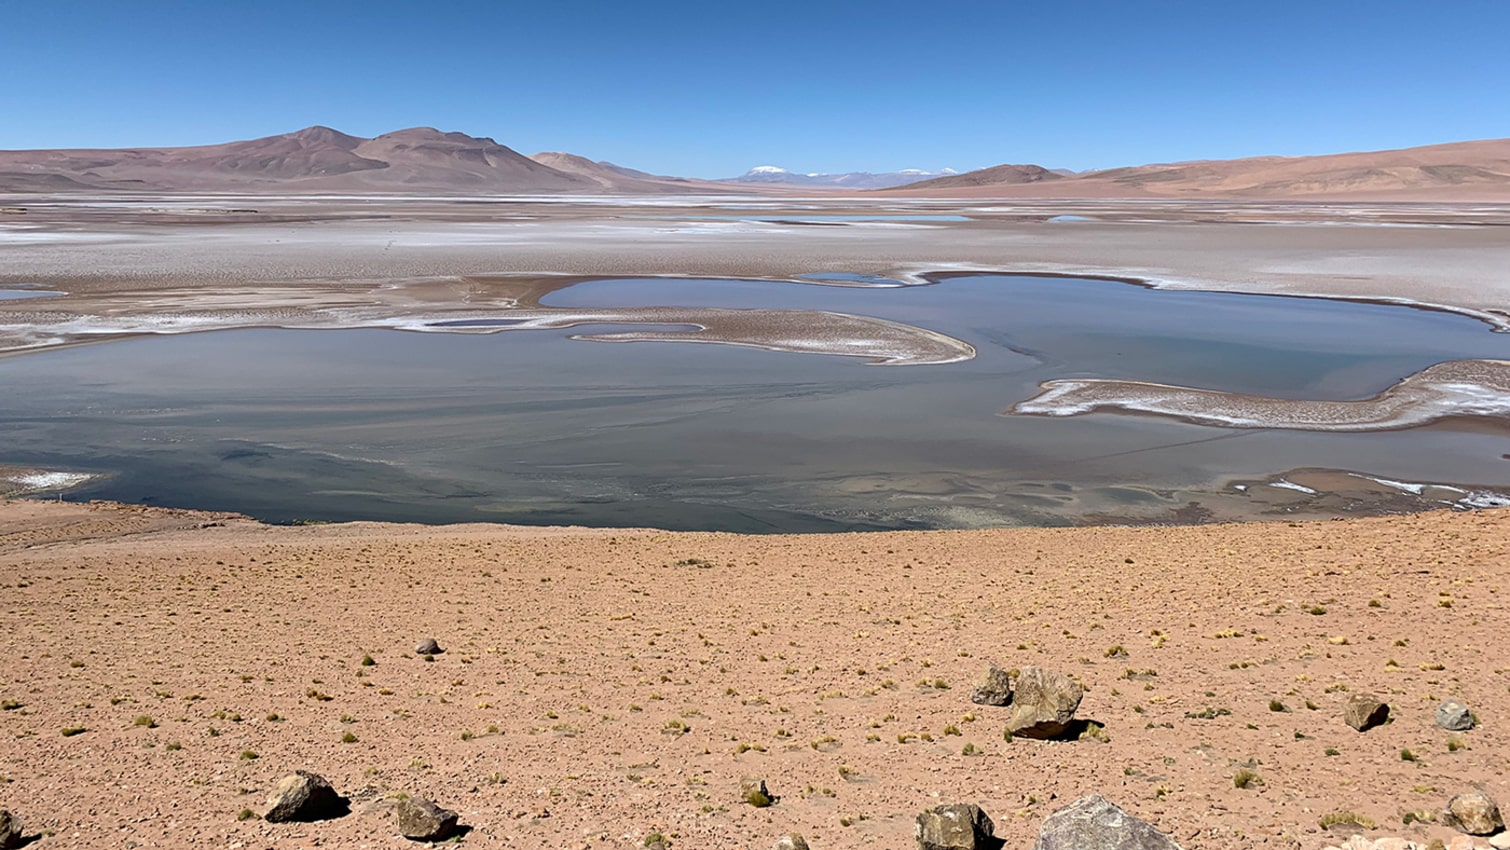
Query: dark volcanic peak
[
  {"x": 321, "y": 135},
  {"x": 996, "y": 175}
]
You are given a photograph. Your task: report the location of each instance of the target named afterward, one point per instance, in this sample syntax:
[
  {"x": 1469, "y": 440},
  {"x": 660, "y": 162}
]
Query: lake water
[
  {"x": 17, "y": 294},
  {"x": 532, "y": 426}
]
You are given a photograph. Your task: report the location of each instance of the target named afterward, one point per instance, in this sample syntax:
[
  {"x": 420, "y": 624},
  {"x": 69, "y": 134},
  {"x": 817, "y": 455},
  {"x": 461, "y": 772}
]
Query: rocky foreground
[{"x": 173, "y": 679}]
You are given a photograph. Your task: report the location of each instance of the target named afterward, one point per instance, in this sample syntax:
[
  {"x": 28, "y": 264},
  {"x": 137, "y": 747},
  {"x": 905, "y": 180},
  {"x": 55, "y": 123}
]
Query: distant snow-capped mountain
[{"x": 849, "y": 180}]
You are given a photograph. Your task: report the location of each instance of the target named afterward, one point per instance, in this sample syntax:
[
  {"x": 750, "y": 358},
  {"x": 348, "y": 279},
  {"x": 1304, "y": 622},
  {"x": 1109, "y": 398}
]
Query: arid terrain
[
  {"x": 163, "y": 669},
  {"x": 420, "y": 160}
]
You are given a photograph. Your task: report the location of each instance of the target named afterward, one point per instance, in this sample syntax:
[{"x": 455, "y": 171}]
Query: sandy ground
[{"x": 601, "y": 685}]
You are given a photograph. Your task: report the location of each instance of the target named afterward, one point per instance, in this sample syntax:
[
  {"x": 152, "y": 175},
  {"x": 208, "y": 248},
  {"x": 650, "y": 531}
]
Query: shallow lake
[{"x": 532, "y": 426}]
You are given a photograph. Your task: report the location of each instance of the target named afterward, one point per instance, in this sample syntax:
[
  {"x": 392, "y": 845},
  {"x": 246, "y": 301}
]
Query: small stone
[
  {"x": 962, "y": 826},
  {"x": 1043, "y": 703},
  {"x": 790, "y": 841},
  {"x": 1095, "y": 822},
  {"x": 10, "y": 830},
  {"x": 428, "y": 646},
  {"x": 1474, "y": 813},
  {"x": 1454, "y": 716},
  {"x": 753, "y": 791},
  {"x": 994, "y": 687},
  {"x": 1364, "y": 711},
  {"x": 421, "y": 820},
  {"x": 303, "y": 796}
]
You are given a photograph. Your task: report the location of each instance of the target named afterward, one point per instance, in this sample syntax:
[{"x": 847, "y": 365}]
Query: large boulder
[
  {"x": 1475, "y": 813},
  {"x": 1095, "y": 823},
  {"x": 304, "y": 796},
  {"x": 428, "y": 646},
  {"x": 790, "y": 841},
  {"x": 961, "y": 826},
  {"x": 1043, "y": 703},
  {"x": 1454, "y": 716},
  {"x": 1364, "y": 711},
  {"x": 994, "y": 687},
  {"x": 10, "y": 830},
  {"x": 421, "y": 820}
]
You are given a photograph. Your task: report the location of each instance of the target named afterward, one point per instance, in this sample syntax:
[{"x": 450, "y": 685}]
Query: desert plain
[{"x": 163, "y": 669}]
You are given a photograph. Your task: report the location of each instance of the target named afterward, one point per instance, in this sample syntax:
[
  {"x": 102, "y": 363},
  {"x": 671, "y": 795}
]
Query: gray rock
[
  {"x": 1474, "y": 813},
  {"x": 790, "y": 841},
  {"x": 961, "y": 826},
  {"x": 1094, "y": 823},
  {"x": 1043, "y": 703},
  {"x": 1454, "y": 716},
  {"x": 428, "y": 646},
  {"x": 10, "y": 831},
  {"x": 421, "y": 820},
  {"x": 753, "y": 791},
  {"x": 303, "y": 796},
  {"x": 1364, "y": 711},
  {"x": 992, "y": 688}
]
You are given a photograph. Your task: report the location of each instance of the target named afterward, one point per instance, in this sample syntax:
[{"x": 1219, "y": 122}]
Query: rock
[
  {"x": 1474, "y": 813},
  {"x": 428, "y": 646},
  {"x": 421, "y": 820},
  {"x": 992, "y": 688},
  {"x": 1043, "y": 703},
  {"x": 790, "y": 841},
  {"x": 1364, "y": 711},
  {"x": 1454, "y": 716},
  {"x": 1500, "y": 841},
  {"x": 753, "y": 791},
  {"x": 303, "y": 796},
  {"x": 1095, "y": 822},
  {"x": 961, "y": 826},
  {"x": 10, "y": 831}
]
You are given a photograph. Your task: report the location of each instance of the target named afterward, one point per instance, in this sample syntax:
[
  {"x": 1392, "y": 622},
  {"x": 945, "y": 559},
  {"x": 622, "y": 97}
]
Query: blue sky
[{"x": 711, "y": 88}]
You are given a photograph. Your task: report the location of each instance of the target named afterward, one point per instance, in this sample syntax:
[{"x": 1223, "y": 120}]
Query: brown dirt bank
[{"x": 837, "y": 667}]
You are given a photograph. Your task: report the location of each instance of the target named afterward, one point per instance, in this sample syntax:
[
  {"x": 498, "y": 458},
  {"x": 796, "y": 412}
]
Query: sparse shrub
[{"x": 1347, "y": 818}]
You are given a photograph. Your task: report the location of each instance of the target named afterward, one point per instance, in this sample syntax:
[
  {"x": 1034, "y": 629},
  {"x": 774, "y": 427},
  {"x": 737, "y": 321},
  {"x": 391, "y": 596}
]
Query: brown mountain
[
  {"x": 612, "y": 178},
  {"x": 996, "y": 175},
  {"x": 1477, "y": 170},
  {"x": 314, "y": 159}
]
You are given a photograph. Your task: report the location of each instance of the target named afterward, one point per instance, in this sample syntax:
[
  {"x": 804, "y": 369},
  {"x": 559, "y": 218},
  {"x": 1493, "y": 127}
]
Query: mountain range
[
  {"x": 319, "y": 159},
  {"x": 426, "y": 160},
  {"x": 770, "y": 174}
]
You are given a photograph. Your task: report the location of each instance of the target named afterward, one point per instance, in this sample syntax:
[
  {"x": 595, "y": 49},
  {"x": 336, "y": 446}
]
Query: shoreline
[{"x": 1499, "y": 321}]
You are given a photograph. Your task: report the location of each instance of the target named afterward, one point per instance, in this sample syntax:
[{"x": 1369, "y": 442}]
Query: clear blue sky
[{"x": 710, "y": 88}]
